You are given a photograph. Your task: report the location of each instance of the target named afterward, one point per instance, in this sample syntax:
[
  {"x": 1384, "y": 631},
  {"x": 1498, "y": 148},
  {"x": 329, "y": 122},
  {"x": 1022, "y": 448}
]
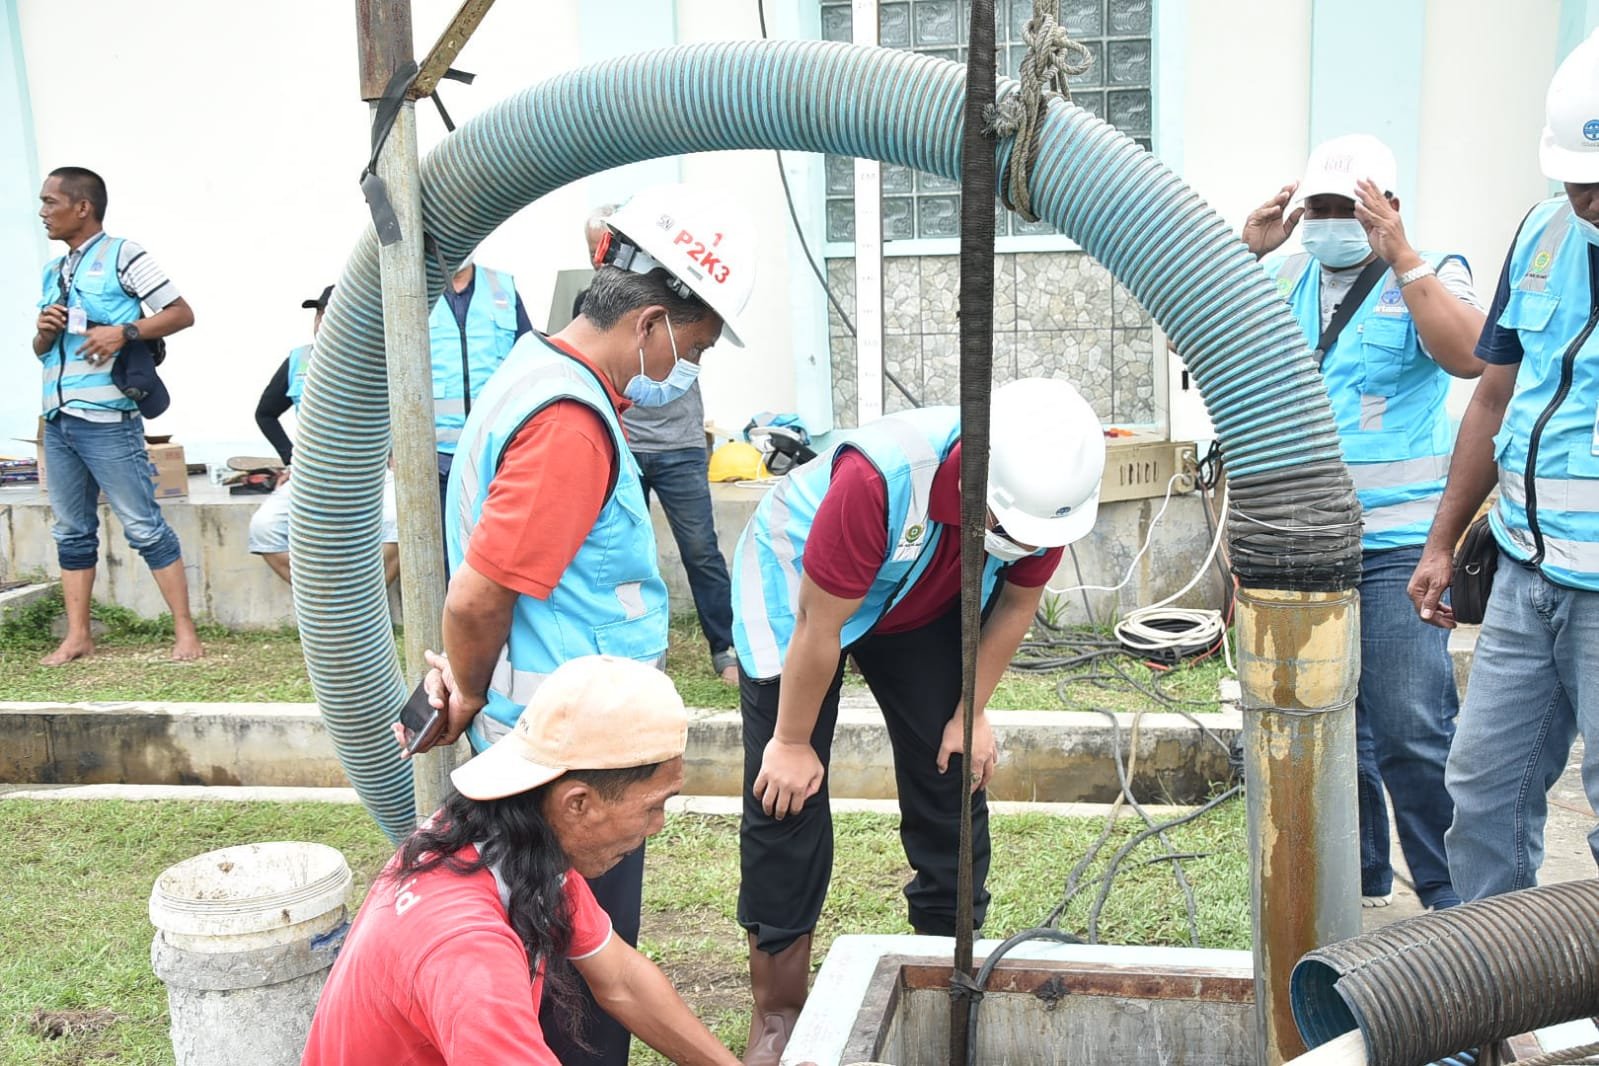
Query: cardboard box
[{"x": 169, "y": 470}]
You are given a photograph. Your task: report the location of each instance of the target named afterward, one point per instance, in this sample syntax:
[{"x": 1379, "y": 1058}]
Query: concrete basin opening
[{"x": 887, "y": 1000}]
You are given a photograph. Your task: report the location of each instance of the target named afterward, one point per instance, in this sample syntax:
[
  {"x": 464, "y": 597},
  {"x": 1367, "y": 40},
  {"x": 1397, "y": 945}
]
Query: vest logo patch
[
  {"x": 1284, "y": 286},
  {"x": 913, "y": 534},
  {"x": 1540, "y": 263},
  {"x": 97, "y": 267},
  {"x": 1590, "y": 129},
  {"x": 1391, "y": 296}
]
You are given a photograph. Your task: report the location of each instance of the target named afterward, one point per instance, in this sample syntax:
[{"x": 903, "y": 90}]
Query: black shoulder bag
[
  {"x": 1348, "y": 306},
  {"x": 1475, "y": 562}
]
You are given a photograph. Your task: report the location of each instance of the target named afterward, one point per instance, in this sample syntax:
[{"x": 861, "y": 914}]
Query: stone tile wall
[{"x": 1055, "y": 314}]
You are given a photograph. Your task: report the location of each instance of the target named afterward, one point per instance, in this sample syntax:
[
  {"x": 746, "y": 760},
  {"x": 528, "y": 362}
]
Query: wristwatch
[
  {"x": 1416, "y": 273},
  {"x": 130, "y": 332}
]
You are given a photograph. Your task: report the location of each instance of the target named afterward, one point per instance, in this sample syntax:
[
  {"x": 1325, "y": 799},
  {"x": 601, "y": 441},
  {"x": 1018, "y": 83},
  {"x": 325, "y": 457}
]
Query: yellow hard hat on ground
[{"x": 737, "y": 461}]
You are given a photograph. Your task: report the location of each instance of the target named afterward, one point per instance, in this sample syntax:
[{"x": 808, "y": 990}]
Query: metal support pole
[
  {"x": 1298, "y": 668},
  {"x": 384, "y": 32}
]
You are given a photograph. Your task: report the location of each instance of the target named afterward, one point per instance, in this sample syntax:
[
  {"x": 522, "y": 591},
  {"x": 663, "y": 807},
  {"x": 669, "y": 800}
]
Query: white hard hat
[
  {"x": 702, "y": 239},
  {"x": 1336, "y": 165},
  {"x": 1045, "y": 461},
  {"x": 1569, "y": 149}
]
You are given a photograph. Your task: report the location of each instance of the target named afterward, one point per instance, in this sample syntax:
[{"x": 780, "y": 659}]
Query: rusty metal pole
[
  {"x": 1298, "y": 668},
  {"x": 383, "y": 30}
]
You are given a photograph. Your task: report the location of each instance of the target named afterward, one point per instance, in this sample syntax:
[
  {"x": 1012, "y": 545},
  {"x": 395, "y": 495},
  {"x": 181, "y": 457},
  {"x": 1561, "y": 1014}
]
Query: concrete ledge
[
  {"x": 711, "y": 806},
  {"x": 229, "y": 585},
  {"x": 25, "y": 595},
  {"x": 1045, "y": 756}
]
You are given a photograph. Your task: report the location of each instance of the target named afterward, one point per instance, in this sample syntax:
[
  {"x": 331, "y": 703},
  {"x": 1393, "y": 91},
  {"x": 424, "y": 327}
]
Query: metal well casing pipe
[{"x": 1299, "y": 668}]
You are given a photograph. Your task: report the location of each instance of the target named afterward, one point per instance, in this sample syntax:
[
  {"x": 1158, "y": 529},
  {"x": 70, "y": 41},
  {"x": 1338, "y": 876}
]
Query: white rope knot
[{"x": 1052, "y": 57}]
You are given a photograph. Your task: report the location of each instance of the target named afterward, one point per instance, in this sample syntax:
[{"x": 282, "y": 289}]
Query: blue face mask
[
  {"x": 647, "y": 392},
  {"x": 1335, "y": 242}
]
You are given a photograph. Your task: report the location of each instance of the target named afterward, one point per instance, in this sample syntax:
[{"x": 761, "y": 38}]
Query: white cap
[
  {"x": 1336, "y": 165},
  {"x": 597, "y": 712},
  {"x": 1569, "y": 148}
]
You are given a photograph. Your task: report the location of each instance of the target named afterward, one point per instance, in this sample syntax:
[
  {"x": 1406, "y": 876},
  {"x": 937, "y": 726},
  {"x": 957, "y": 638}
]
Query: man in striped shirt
[{"x": 104, "y": 294}]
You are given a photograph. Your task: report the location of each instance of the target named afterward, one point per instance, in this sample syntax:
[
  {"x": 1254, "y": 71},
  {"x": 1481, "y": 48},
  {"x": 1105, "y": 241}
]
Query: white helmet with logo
[
  {"x": 703, "y": 239},
  {"x": 1569, "y": 150},
  {"x": 1045, "y": 462}
]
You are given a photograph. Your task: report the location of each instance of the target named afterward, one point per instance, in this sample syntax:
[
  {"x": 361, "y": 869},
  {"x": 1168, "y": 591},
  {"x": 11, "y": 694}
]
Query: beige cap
[
  {"x": 1336, "y": 165},
  {"x": 599, "y": 712}
]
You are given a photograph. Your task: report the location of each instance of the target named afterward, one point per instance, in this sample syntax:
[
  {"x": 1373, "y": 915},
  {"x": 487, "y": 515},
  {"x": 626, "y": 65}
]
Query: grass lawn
[
  {"x": 76, "y": 934},
  {"x": 267, "y": 666}
]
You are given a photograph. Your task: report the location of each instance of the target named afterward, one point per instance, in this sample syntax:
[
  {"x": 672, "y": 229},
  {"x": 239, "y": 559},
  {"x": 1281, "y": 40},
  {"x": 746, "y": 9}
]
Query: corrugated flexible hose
[
  {"x": 1422, "y": 989},
  {"x": 1295, "y": 522}
]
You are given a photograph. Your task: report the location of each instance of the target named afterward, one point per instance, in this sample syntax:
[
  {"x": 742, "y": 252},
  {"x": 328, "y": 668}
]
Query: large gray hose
[
  {"x": 1428, "y": 987},
  {"x": 1298, "y": 520}
]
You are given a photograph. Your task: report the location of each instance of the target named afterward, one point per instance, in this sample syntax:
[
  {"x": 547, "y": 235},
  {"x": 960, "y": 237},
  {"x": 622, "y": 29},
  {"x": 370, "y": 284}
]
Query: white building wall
[{"x": 232, "y": 135}]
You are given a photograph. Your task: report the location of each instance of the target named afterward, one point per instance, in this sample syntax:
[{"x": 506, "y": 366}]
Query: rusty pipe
[{"x": 1298, "y": 669}]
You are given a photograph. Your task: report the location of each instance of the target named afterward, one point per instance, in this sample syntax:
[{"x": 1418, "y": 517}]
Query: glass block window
[{"x": 1116, "y": 88}]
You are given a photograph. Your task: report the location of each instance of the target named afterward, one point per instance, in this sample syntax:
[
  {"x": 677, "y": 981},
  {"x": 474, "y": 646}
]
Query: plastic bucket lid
[{"x": 250, "y": 888}]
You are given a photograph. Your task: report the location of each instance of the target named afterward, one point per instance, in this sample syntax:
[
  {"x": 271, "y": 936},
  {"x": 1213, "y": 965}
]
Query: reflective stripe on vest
[
  {"x": 68, "y": 381},
  {"x": 1387, "y": 399},
  {"x": 768, "y": 563},
  {"x": 611, "y": 598},
  {"x": 489, "y": 332},
  {"x": 299, "y": 367},
  {"x": 1549, "y": 433}
]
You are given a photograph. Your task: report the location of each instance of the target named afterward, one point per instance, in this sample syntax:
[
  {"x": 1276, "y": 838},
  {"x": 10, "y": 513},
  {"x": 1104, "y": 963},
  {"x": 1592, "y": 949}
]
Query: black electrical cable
[{"x": 821, "y": 276}]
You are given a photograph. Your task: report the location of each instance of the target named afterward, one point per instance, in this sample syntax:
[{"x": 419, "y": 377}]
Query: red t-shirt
[
  {"x": 546, "y": 495},
  {"x": 432, "y": 974},
  {"x": 848, "y": 542}
]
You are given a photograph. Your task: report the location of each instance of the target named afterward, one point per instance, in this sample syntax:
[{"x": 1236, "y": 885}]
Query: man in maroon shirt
[{"x": 858, "y": 554}]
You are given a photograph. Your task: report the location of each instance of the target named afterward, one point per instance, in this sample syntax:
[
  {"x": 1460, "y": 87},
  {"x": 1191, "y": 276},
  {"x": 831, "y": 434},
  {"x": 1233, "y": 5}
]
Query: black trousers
[
  {"x": 786, "y": 865},
  {"x": 620, "y": 891}
]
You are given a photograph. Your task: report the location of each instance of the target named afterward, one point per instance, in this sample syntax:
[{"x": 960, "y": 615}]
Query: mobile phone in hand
[{"x": 421, "y": 721}]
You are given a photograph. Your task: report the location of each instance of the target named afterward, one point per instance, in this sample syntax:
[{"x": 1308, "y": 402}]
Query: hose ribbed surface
[
  {"x": 1156, "y": 235},
  {"x": 1426, "y": 987}
]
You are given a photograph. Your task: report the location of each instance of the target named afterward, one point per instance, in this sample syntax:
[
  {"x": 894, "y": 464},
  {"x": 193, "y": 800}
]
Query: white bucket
[{"x": 244, "y": 940}]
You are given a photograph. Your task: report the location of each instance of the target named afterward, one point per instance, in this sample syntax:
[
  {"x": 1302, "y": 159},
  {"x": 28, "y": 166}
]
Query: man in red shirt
[
  {"x": 445, "y": 962},
  {"x": 858, "y": 554},
  {"x": 552, "y": 552}
]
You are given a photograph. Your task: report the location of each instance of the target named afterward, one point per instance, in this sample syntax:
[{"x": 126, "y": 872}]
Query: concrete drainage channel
[{"x": 1045, "y": 756}]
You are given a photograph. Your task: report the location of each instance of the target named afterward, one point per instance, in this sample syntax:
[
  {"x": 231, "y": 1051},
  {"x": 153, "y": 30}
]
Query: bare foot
[
  {"x": 68, "y": 650},
  {"x": 187, "y": 648}
]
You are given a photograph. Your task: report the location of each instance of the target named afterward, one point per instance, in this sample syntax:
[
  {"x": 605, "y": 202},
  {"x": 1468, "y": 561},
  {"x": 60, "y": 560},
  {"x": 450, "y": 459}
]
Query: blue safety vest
[
  {"x": 1547, "y": 446},
  {"x": 611, "y": 599},
  {"x": 1387, "y": 398},
  {"x": 70, "y": 382},
  {"x": 299, "y": 367},
  {"x": 769, "y": 561},
  {"x": 465, "y": 357}
]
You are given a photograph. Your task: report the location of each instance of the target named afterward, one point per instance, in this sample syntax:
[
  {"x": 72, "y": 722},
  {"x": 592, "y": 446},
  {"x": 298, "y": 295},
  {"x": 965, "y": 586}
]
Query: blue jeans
[
  {"x": 1534, "y": 684},
  {"x": 680, "y": 478},
  {"x": 1404, "y": 721},
  {"x": 81, "y": 459}
]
